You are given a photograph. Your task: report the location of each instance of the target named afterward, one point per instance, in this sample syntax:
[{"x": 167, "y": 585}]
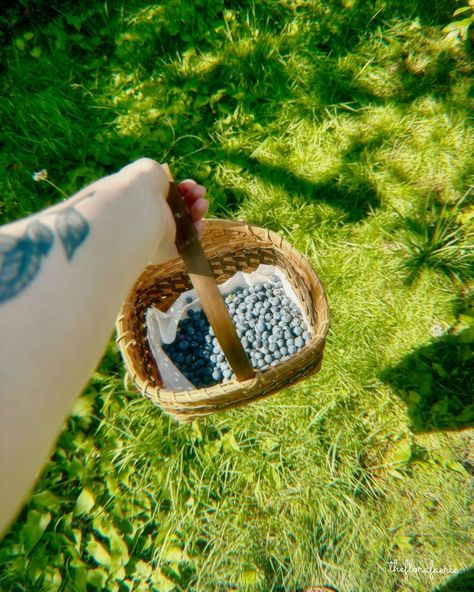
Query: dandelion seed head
[{"x": 40, "y": 175}]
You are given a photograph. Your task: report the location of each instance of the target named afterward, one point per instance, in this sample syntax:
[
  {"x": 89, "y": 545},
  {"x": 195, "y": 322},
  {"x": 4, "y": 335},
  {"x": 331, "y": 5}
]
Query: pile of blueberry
[{"x": 269, "y": 325}]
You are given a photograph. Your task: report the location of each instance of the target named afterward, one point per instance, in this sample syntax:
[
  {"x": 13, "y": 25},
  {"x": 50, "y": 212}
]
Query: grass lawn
[{"x": 345, "y": 126}]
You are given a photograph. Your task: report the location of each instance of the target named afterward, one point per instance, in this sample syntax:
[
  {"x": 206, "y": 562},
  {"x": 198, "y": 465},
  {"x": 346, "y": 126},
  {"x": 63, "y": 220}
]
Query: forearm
[{"x": 83, "y": 259}]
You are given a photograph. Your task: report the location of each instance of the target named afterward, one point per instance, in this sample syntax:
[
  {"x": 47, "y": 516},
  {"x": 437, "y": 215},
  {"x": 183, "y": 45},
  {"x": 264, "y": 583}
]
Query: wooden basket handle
[{"x": 203, "y": 280}]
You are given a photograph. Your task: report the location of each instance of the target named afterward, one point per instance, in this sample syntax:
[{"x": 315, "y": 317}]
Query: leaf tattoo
[
  {"x": 72, "y": 228},
  {"x": 20, "y": 258}
]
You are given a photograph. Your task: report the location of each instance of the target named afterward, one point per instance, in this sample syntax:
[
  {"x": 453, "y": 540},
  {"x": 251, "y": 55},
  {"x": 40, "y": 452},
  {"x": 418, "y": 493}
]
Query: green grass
[{"x": 346, "y": 127}]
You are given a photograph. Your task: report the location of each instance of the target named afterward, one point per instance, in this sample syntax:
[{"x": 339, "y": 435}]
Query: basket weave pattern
[{"x": 230, "y": 247}]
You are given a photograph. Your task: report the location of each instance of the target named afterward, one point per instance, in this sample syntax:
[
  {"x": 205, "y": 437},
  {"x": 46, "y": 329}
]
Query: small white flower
[
  {"x": 40, "y": 175},
  {"x": 437, "y": 330}
]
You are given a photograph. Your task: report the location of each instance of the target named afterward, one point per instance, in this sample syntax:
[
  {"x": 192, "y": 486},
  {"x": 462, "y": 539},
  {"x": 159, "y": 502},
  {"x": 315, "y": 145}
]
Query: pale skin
[{"x": 62, "y": 282}]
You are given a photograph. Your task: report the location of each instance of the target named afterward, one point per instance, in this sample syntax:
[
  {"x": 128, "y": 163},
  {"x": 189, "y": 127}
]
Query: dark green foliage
[{"x": 435, "y": 382}]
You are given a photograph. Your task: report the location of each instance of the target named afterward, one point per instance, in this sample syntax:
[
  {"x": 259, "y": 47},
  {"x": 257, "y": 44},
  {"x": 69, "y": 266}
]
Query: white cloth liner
[{"x": 162, "y": 326}]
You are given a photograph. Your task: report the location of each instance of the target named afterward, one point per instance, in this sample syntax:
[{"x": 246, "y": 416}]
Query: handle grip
[{"x": 201, "y": 275}]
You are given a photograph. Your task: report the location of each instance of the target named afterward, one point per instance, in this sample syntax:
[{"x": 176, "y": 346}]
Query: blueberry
[{"x": 270, "y": 326}]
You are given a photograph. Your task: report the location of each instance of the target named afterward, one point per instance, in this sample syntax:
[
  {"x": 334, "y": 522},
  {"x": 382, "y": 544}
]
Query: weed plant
[
  {"x": 346, "y": 127},
  {"x": 439, "y": 239}
]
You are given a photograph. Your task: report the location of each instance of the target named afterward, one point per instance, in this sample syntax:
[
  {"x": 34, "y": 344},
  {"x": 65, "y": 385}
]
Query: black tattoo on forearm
[
  {"x": 20, "y": 258},
  {"x": 72, "y": 228}
]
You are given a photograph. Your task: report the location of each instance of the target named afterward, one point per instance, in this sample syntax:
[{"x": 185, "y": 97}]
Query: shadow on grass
[
  {"x": 436, "y": 383},
  {"x": 461, "y": 582},
  {"x": 356, "y": 196},
  {"x": 435, "y": 79}
]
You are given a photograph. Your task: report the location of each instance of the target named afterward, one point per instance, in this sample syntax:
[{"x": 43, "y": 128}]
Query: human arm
[{"x": 63, "y": 275}]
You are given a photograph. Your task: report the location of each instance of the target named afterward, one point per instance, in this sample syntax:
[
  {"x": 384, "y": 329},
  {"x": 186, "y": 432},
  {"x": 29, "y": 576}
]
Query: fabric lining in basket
[{"x": 230, "y": 247}]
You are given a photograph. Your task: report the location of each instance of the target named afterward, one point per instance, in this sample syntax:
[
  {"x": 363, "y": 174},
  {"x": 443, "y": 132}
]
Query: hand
[
  {"x": 152, "y": 178},
  {"x": 193, "y": 196}
]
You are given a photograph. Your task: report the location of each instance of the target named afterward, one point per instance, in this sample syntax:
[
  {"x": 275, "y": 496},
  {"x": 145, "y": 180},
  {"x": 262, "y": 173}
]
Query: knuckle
[{"x": 147, "y": 165}]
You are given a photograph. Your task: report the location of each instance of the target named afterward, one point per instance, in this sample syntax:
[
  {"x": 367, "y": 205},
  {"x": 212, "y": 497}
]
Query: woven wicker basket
[{"x": 230, "y": 247}]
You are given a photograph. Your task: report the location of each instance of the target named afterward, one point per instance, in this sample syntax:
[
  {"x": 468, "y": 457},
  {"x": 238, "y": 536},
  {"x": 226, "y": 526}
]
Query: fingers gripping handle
[{"x": 202, "y": 278}]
